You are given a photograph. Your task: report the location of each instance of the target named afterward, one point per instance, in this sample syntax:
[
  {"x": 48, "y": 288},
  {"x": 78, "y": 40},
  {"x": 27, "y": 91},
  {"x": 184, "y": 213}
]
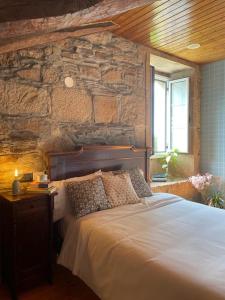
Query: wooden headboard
[{"x": 88, "y": 159}]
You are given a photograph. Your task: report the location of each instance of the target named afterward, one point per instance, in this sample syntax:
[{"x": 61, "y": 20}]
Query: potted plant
[
  {"x": 216, "y": 200},
  {"x": 169, "y": 160}
]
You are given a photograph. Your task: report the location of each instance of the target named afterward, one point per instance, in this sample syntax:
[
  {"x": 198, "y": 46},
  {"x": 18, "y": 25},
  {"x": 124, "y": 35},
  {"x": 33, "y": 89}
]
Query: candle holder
[
  {"x": 16, "y": 187},
  {"x": 16, "y": 184}
]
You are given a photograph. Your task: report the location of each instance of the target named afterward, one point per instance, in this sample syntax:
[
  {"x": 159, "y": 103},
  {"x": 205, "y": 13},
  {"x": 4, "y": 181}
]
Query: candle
[{"x": 16, "y": 173}]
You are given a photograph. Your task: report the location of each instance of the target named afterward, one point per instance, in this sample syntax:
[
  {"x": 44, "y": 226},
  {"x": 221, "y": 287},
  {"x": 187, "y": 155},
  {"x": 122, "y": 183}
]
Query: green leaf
[{"x": 168, "y": 159}]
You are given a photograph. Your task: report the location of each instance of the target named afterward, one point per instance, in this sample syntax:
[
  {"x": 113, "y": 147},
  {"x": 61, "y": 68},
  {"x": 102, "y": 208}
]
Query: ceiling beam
[
  {"x": 26, "y": 42},
  {"x": 12, "y": 10},
  {"x": 100, "y": 11}
]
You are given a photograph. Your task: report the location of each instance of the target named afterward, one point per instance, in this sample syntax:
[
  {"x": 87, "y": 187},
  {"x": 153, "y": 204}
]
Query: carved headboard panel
[{"x": 88, "y": 159}]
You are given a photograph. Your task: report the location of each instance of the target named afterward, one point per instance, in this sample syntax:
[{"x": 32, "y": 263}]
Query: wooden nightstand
[{"x": 26, "y": 230}]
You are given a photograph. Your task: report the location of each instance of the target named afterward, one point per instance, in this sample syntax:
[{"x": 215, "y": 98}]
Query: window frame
[
  {"x": 170, "y": 82},
  {"x": 168, "y": 91},
  {"x": 164, "y": 80}
]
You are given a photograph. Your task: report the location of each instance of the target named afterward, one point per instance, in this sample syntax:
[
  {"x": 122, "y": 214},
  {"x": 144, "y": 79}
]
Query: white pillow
[{"x": 61, "y": 205}]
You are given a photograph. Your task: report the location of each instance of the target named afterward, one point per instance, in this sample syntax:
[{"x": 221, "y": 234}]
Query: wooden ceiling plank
[
  {"x": 211, "y": 45},
  {"x": 125, "y": 17},
  {"x": 141, "y": 29},
  {"x": 161, "y": 12},
  {"x": 198, "y": 15},
  {"x": 159, "y": 28},
  {"x": 203, "y": 57},
  {"x": 216, "y": 33},
  {"x": 105, "y": 9},
  {"x": 197, "y": 24},
  {"x": 144, "y": 14},
  {"x": 198, "y": 37}
]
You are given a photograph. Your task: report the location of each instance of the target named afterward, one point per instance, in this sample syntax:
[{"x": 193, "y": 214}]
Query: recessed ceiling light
[{"x": 193, "y": 46}]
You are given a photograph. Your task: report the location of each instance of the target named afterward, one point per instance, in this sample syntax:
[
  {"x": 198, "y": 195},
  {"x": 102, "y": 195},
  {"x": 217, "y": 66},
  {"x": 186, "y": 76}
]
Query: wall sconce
[
  {"x": 69, "y": 82},
  {"x": 16, "y": 184}
]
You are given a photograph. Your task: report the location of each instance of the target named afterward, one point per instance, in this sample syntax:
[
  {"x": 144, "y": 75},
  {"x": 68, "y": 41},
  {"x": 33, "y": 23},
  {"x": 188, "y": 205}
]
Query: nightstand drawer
[{"x": 31, "y": 206}]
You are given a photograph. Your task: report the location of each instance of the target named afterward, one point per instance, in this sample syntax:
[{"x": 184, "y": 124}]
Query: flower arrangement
[
  {"x": 201, "y": 182},
  {"x": 208, "y": 186}
]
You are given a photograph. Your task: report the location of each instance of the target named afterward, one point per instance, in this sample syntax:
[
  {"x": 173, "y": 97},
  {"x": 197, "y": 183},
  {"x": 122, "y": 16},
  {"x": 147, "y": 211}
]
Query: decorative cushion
[
  {"x": 61, "y": 204},
  {"x": 87, "y": 196},
  {"x": 119, "y": 189},
  {"x": 138, "y": 181}
]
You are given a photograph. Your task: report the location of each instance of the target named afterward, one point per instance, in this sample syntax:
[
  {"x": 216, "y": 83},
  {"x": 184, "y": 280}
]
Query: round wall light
[
  {"x": 193, "y": 46},
  {"x": 69, "y": 82}
]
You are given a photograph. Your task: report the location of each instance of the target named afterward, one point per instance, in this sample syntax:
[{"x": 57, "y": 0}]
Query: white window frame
[
  {"x": 168, "y": 120},
  {"x": 170, "y": 82}
]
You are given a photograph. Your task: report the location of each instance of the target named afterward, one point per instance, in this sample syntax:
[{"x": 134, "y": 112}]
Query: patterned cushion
[
  {"x": 61, "y": 204},
  {"x": 87, "y": 196},
  {"x": 140, "y": 185},
  {"x": 119, "y": 189}
]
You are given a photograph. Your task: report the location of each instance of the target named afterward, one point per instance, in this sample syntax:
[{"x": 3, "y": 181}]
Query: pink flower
[{"x": 201, "y": 182}]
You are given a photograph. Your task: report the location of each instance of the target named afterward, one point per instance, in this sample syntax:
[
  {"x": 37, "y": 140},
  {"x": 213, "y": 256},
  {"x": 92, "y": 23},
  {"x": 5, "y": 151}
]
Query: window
[{"x": 171, "y": 115}]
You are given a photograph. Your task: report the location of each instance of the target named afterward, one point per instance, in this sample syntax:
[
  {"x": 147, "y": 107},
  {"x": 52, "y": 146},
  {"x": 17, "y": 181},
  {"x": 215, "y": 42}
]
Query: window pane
[
  {"x": 179, "y": 114},
  {"x": 160, "y": 116}
]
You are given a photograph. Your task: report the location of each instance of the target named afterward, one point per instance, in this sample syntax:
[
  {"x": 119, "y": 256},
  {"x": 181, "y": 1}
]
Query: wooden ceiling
[{"x": 171, "y": 25}]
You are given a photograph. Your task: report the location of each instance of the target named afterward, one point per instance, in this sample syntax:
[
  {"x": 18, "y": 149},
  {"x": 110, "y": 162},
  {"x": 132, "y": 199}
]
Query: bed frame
[{"x": 88, "y": 159}]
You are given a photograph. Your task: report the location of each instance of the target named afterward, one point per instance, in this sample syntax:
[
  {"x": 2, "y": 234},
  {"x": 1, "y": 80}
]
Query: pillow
[
  {"x": 87, "y": 196},
  {"x": 119, "y": 189},
  {"x": 61, "y": 205},
  {"x": 138, "y": 181}
]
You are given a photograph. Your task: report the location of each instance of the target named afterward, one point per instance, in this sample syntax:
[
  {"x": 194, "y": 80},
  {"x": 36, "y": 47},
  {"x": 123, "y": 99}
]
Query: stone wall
[{"x": 38, "y": 113}]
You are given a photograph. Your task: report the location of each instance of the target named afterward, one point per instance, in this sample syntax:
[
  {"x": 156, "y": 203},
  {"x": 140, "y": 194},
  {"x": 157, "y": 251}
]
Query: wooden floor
[{"x": 65, "y": 287}]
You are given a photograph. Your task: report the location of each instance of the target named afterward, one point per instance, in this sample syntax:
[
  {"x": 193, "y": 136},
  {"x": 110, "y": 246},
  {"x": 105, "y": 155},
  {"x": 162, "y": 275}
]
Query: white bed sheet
[{"x": 165, "y": 248}]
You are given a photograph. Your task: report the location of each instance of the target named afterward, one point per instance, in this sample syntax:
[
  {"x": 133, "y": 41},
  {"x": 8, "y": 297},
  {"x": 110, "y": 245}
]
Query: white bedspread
[{"x": 165, "y": 248}]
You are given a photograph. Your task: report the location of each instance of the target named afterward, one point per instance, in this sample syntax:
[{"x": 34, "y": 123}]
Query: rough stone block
[
  {"x": 102, "y": 38},
  {"x": 10, "y": 60},
  {"x": 51, "y": 75},
  {"x": 133, "y": 110},
  {"x": 71, "y": 105},
  {"x": 130, "y": 79},
  {"x": 4, "y": 129},
  {"x": 106, "y": 109},
  {"x": 98, "y": 88},
  {"x": 124, "y": 45},
  {"x": 23, "y": 99},
  {"x": 90, "y": 73},
  {"x": 84, "y": 53},
  {"x": 102, "y": 55},
  {"x": 31, "y": 74},
  {"x": 112, "y": 76},
  {"x": 128, "y": 58},
  {"x": 35, "y": 53}
]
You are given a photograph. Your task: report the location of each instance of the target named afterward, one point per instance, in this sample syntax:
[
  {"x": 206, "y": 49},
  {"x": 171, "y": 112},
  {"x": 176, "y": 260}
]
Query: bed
[{"x": 162, "y": 248}]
